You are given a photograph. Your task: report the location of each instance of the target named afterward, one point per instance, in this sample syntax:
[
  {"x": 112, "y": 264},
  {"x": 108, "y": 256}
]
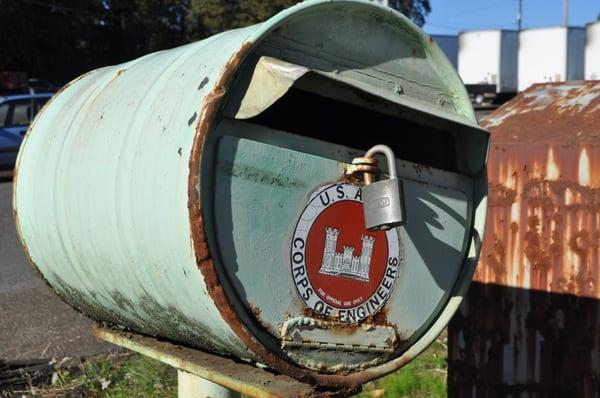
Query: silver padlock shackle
[{"x": 389, "y": 155}]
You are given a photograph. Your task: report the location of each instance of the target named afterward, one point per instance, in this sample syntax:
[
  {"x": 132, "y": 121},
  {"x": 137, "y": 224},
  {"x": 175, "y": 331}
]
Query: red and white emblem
[{"x": 340, "y": 269}]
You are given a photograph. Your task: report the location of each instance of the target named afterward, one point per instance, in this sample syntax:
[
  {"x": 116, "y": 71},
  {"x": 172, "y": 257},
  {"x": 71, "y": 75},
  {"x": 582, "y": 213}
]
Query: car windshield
[{"x": 18, "y": 113}]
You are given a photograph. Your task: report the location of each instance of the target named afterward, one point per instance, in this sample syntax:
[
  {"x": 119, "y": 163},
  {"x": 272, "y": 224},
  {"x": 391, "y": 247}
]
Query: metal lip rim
[{"x": 427, "y": 41}]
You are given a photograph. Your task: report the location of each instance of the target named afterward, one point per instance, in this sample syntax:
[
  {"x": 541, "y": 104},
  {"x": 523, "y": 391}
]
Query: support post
[{"x": 192, "y": 386}]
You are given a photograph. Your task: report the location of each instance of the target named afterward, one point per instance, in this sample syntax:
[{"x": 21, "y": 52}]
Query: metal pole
[
  {"x": 566, "y": 13},
  {"x": 192, "y": 386},
  {"x": 520, "y": 16}
]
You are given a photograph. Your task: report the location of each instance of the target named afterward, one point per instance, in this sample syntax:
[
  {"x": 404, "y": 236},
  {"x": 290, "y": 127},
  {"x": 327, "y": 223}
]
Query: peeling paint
[
  {"x": 530, "y": 323},
  {"x": 203, "y": 83}
]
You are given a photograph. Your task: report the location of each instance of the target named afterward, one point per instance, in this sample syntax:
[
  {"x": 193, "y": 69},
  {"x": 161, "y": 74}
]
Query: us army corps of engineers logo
[{"x": 340, "y": 269}]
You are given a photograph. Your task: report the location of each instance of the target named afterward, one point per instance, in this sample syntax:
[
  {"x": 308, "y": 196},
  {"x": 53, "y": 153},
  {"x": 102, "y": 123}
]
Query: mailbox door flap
[{"x": 265, "y": 184}]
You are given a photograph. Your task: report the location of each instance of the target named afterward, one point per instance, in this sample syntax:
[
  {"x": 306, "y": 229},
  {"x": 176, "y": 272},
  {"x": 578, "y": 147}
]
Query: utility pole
[
  {"x": 566, "y": 13},
  {"x": 520, "y": 16}
]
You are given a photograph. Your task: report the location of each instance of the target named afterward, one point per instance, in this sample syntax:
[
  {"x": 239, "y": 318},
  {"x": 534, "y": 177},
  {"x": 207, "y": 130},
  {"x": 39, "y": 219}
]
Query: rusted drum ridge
[{"x": 199, "y": 194}]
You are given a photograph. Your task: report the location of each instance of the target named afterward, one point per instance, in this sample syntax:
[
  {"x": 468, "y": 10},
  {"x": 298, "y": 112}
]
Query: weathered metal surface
[
  {"x": 236, "y": 376},
  {"x": 530, "y": 322},
  {"x": 145, "y": 203}
]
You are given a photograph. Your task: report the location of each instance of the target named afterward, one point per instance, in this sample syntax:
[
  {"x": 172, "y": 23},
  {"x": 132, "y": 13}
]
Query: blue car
[{"x": 16, "y": 113}]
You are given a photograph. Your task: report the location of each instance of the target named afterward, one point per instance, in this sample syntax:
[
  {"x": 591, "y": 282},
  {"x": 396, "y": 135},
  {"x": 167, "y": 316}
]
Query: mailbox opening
[
  {"x": 358, "y": 127},
  {"x": 320, "y": 105}
]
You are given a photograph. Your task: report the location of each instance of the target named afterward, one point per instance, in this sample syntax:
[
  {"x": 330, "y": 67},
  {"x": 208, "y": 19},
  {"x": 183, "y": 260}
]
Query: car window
[
  {"x": 39, "y": 103},
  {"x": 21, "y": 113},
  {"x": 3, "y": 114}
]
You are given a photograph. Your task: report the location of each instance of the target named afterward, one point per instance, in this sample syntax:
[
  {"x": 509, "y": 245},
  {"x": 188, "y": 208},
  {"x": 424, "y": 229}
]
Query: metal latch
[{"x": 382, "y": 200}]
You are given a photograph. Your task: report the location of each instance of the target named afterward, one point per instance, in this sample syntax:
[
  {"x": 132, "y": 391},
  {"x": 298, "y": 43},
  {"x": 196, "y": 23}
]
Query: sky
[{"x": 453, "y": 16}]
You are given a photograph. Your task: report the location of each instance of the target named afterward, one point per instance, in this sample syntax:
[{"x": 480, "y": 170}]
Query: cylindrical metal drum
[{"x": 202, "y": 194}]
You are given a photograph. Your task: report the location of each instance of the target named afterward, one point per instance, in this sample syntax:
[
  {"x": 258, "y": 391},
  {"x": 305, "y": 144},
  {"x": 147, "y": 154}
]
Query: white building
[
  {"x": 382, "y": 2},
  {"x": 550, "y": 55},
  {"x": 489, "y": 57},
  {"x": 592, "y": 52}
]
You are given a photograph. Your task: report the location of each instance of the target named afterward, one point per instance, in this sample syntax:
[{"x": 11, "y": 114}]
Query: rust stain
[
  {"x": 546, "y": 111},
  {"x": 380, "y": 318},
  {"x": 529, "y": 324},
  {"x": 543, "y": 224}
]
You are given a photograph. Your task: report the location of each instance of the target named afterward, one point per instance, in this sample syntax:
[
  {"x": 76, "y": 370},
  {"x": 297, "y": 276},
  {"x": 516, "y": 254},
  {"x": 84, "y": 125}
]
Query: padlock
[{"x": 382, "y": 200}]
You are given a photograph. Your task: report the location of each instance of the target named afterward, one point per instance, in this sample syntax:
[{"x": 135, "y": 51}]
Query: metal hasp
[
  {"x": 200, "y": 194},
  {"x": 383, "y": 199},
  {"x": 529, "y": 325}
]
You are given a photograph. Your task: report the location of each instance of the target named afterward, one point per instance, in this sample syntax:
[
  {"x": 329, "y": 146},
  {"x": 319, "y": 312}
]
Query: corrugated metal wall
[{"x": 529, "y": 326}]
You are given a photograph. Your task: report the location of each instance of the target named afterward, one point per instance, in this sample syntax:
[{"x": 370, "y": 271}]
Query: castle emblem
[
  {"x": 344, "y": 282},
  {"x": 346, "y": 264}
]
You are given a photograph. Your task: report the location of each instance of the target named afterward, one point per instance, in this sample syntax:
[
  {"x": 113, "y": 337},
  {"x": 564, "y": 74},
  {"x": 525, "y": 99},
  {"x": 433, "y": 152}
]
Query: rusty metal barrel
[{"x": 202, "y": 194}]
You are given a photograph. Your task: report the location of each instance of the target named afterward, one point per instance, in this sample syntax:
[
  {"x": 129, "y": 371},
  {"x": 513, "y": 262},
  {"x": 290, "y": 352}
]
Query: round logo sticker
[{"x": 340, "y": 269}]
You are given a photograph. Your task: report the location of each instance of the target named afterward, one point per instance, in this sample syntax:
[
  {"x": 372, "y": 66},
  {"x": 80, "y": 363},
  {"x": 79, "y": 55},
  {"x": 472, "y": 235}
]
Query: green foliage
[
  {"x": 424, "y": 377},
  {"x": 207, "y": 17},
  {"x": 60, "y": 39},
  {"x": 47, "y": 38},
  {"x": 134, "y": 376},
  {"x": 131, "y": 28},
  {"x": 416, "y": 10}
]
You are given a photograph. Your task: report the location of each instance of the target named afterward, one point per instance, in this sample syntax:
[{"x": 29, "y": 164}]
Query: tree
[
  {"x": 131, "y": 28},
  {"x": 48, "y": 39},
  {"x": 60, "y": 39},
  {"x": 416, "y": 10},
  {"x": 207, "y": 17}
]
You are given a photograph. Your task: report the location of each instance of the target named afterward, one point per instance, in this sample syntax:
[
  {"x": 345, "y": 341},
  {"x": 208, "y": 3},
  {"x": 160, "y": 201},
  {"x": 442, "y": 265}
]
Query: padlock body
[{"x": 383, "y": 204}]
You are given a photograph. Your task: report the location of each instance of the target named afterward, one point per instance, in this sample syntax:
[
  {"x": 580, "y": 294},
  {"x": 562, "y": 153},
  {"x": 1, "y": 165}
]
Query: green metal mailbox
[{"x": 202, "y": 194}]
